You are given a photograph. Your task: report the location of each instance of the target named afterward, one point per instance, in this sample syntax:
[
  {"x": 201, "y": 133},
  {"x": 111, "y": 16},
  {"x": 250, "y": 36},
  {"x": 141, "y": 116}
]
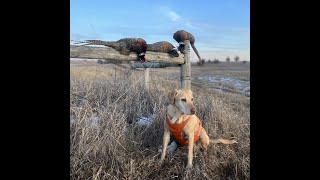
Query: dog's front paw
[
  {"x": 189, "y": 166},
  {"x": 234, "y": 142},
  {"x": 160, "y": 163}
]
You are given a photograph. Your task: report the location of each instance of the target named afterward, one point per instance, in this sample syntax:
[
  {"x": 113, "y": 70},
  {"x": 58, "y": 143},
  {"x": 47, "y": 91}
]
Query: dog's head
[{"x": 182, "y": 99}]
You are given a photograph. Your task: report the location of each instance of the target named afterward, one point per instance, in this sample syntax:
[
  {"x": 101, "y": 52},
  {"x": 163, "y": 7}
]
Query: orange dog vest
[{"x": 176, "y": 130}]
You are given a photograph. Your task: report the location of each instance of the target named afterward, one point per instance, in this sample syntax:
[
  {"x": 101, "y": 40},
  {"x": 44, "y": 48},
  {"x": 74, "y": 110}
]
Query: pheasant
[
  {"x": 125, "y": 46},
  {"x": 163, "y": 46},
  {"x": 182, "y": 35}
]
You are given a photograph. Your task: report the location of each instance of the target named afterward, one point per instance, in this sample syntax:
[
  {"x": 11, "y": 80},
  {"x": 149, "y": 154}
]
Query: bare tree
[
  {"x": 216, "y": 61},
  {"x": 236, "y": 59},
  {"x": 201, "y": 63},
  {"x": 228, "y": 59}
]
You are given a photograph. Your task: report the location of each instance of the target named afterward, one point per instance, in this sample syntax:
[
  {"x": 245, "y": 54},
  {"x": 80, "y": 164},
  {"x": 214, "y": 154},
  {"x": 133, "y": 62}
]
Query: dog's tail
[{"x": 223, "y": 141}]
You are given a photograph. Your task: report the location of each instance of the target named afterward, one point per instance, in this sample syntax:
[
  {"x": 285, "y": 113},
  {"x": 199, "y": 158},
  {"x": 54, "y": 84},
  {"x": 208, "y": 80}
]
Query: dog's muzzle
[{"x": 193, "y": 110}]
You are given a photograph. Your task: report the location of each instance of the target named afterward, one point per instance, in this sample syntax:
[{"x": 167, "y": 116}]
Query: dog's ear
[{"x": 171, "y": 95}]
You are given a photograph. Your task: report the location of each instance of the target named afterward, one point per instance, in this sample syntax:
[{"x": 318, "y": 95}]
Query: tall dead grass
[{"x": 108, "y": 143}]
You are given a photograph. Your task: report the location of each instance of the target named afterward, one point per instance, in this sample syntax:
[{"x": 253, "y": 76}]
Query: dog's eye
[
  {"x": 191, "y": 99},
  {"x": 183, "y": 100}
]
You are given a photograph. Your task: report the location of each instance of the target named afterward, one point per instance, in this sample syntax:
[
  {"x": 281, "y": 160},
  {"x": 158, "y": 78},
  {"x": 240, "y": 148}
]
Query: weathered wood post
[
  {"x": 147, "y": 78},
  {"x": 185, "y": 69}
]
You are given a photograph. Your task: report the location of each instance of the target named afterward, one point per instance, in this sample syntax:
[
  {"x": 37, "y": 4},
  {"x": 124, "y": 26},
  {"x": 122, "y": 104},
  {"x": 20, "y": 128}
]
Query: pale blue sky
[{"x": 221, "y": 27}]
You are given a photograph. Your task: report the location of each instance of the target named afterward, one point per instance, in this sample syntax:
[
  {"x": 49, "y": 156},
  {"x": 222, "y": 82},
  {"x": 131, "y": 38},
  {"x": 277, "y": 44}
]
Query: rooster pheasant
[
  {"x": 182, "y": 35},
  {"x": 163, "y": 46},
  {"x": 125, "y": 46}
]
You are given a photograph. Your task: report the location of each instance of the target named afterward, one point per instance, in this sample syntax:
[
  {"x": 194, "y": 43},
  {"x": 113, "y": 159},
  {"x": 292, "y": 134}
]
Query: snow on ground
[
  {"x": 92, "y": 122},
  {"x": 83, "y": 59},
  {"x": 145, "y": 121},
  {"x": 95, "y": 122},
  {"x": 71, "y": 120},
  {"x": 78, "y": 43},
  {"x": 172, "y": 147},
  {"x": 236, "y": 83}
]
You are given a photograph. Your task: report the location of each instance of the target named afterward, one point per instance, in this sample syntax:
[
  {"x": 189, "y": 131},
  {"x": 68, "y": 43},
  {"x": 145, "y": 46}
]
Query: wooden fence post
[
  {"x": 147, "y": 78},
  {"x": 185, "y": 69}
]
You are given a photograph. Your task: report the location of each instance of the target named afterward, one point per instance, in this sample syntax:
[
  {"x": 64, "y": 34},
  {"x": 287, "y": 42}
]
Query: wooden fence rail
[
  {"x": 152, "y": 65},
  {"x": 109, "y": 53},
  {"x": 162, "y": 59}
]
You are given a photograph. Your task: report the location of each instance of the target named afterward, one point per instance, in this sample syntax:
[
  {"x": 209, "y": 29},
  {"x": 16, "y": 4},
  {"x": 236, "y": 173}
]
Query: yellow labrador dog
[{"x": 185, "y": 126}]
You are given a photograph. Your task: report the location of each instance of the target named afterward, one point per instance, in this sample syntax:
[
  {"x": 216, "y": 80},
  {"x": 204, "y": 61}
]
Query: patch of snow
[
  {"x": 238, "y": 84},
  {"x": 71, "y": 120},
  {"x": 92, "y": 45},
  {"x": 82, "y": 59},
  {"x": 171, "y": 148},
  {"x": 78, "y": 43},
  {"x": 95, "y": 122},
  {"x": 145, "y": 121}
]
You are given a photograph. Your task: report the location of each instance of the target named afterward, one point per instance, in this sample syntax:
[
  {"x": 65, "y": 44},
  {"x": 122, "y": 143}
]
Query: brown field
[{"x": 109, "y": 141}]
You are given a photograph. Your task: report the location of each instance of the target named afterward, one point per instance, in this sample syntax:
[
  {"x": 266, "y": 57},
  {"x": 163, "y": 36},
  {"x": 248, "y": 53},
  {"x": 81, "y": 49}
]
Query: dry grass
[{"x": 116, "y": 147}]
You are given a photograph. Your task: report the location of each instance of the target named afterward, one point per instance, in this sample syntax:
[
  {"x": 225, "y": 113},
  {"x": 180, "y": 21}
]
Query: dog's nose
[{"x": 193, "y": 110}]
